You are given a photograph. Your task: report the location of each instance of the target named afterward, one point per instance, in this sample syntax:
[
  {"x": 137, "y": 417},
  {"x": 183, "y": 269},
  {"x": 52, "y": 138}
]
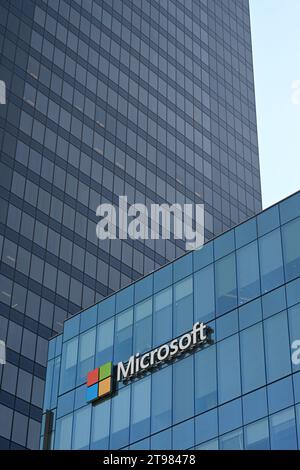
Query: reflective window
[
  {"x": 283, "y": 430},
  {"x": 141, "y": 445},
  {"x": 205, "y": 389},
  {"x": 229, "y": 380},
  {"x": 232, "y": 440},
  {"x": 140, "y": 414},
  {"x": 183, "y": 389},
  {"x": 184, "y": 435},
  {"x": 183, "y": 267},
  {"x": 63, "y": 433},
  {"x": 183, "y": 311},
  {"x": 123, "y": 336},
  {"x": 82, "y": 425},
  {"x": 280, "y": 395},
  {"x": 227, "y": 325},
  {"x": 248, "y": 273},
  {"x": 68, "y": 365},
  {"x": 206, "y": 426},
  {"x": 161, "y": 412},
  {"x": 252, "y": 358},
  {"x": 277, "y": 346},
  {"x": 204, "y": 294},
  {"x": 291, "y": 249},
  {"x": 210, "y": 445},
  {"x": 162, "y": 440},
  {"x": 100, "y": 425},
  {"x": 142, "y": 336},
  {"x": 274, "y": 302},
  {"x": 162, "y": 317},
  {"x": 230, "y": 416},
  {"x": 105, "y": 342},
  {"x": 255, "y": 405},
  {"x": 120, "y": 419},
  {"x": 256, "y": 436},
  {"x": 86, "y": 355},
  {"x": 65, "y": 404},
  {"x": 271, "y": 264},
  {"x": 225, "y": 278}
]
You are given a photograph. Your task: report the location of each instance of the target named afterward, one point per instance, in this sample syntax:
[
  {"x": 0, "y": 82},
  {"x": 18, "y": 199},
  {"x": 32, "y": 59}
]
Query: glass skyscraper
[
  {"x": 240, "y": 390},
  {"x": 149, "y": 99}
]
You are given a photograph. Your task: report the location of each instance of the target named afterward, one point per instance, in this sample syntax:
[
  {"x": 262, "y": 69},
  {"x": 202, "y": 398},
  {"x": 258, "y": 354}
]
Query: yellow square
[{"x": 104, "y": 387}]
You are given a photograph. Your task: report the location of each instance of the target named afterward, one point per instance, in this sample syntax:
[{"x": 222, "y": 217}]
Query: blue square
[{"x": 92, "y": 393}]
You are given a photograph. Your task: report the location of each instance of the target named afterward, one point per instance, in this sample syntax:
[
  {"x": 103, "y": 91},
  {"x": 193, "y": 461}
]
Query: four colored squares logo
[{"x": 100, "y": 382}]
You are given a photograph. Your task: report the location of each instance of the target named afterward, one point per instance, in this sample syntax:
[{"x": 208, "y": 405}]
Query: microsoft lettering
[
  {"x": 138, "y": 364},
  {"x": 101, "y": 381}
]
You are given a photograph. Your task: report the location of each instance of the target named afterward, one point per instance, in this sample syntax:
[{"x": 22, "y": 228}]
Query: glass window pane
[
  {"x": 277, "y": 347},
  {"x": 250, "y": 313},
  {"x": 183, "y": 314},
  {"x": 68, "y": 365},
  {"x": 123, "y": 336},
  {"x": 204, "y": 294},
  {"x": 274, "y": 302},
  {"x": 100, "y": 425},
  {"x": 252, "y": 358},
  {"x": 280, "y": 395},
  {"x": 227, "y": 325},
  {"x": 232, "y": 440},
  {"x": 206, "y": 390},
  {"x": 162, "y": 321},
  {"x": 63, "y": 433},
  {"x": 183, "y": 389},
  {"x": 230, "y": 416},
  {"x": 229, "y": 380},
  {"x": 255, "y": 405},
  {"x": 257, "y": 436},
  {"x": 140, "y": 417},
  {"x": 210, "y": 445},
  {"x": 248, "y": 273},
  {"x": 184, "y": 435},
  {"x": 142, "y": 338},
  {"x": 82, "y": 424},
  {"x": 86, "y": 355},
  {"x": 283, "y": 430},
  {"x": 161, "y": 399},
  {"x": 225, "y": 278},
  {"x": 271, "y": 264},
  {"x": 162, "y": 440},
  {"x": 206, "y": 426},
  {"x": 291, "y": 249},
  {"x": 120, "y": 419},
  {"x": 105, "y": 342}
]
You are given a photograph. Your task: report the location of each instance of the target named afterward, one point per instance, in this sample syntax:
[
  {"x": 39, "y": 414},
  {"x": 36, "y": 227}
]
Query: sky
[{"x": 276, "y": 53}]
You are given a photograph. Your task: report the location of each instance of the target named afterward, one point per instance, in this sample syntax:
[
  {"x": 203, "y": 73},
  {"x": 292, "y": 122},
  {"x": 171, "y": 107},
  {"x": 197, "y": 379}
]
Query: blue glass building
[
  {"x": 153, "y": 99},
  {"x": 241, "y": 391}
]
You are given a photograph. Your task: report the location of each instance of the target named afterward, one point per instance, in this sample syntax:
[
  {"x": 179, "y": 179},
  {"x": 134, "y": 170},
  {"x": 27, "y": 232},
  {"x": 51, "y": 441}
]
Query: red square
[{"x": 93, "y": 377}]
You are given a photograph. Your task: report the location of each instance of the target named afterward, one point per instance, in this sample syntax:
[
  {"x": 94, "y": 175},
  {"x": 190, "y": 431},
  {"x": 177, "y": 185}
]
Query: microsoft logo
[{"x": 100, "y": 382}]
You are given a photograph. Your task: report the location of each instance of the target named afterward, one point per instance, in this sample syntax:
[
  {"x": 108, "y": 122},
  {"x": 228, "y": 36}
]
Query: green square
[{"x": 105, "y": 371}]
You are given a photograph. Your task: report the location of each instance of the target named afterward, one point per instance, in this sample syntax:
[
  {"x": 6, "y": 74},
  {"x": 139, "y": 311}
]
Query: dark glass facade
[
  {"x": 241, "y": 391},
  {"x": 150, "y": 99}
]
